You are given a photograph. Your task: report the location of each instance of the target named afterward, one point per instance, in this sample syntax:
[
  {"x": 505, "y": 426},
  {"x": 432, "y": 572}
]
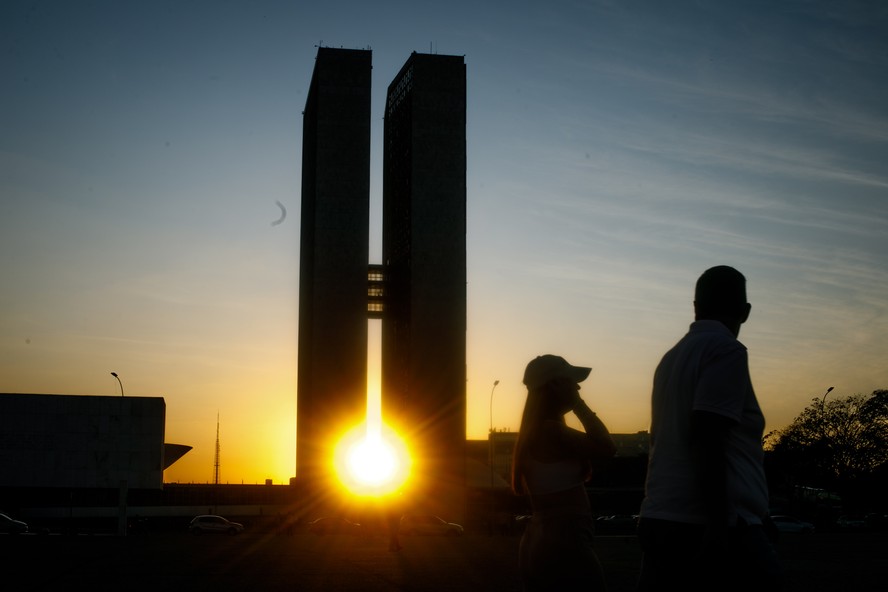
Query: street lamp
[
  {"x": 490, "y": 433},
  {"x": 495, "y": 382},
  {"x": 114, "y": 374},
  {"x": 823, "y": 400}
]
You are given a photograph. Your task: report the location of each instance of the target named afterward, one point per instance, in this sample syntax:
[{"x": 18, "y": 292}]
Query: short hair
[{"x": 721, "y": 290}]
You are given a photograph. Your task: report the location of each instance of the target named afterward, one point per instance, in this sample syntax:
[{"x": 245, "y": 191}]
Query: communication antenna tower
[{"x": 216, "y": 461}]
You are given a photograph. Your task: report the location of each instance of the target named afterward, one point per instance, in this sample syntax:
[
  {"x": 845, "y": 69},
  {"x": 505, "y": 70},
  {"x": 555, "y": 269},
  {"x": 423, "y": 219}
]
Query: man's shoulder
[{"x": 705, "y": 340}]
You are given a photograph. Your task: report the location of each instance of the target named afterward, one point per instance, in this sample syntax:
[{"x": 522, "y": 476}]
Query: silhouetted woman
[{"x": 551, "y": 464}]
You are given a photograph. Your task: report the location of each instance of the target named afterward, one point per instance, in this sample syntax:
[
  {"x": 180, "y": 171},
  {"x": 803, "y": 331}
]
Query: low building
[{"x": 81, "y": 451}]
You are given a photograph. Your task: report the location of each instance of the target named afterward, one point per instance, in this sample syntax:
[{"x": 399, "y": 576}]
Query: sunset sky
[{"x": 616, "y": 149}]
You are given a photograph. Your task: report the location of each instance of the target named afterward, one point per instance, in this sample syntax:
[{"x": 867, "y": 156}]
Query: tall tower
[
  {"x": 334, "y": 254},
  {"x": 424, "y": 257}
]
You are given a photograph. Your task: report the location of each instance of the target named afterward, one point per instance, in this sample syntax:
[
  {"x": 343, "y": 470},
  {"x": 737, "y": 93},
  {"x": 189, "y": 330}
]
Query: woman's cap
[{"x": 547, "y": 367}]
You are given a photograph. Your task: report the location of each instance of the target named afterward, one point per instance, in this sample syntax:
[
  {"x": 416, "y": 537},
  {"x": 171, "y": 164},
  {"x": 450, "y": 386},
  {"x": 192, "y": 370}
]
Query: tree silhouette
[{"x": 837, "y": 445}]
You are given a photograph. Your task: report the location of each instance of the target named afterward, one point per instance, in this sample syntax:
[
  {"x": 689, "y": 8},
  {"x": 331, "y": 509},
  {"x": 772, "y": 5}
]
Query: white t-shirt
[{"x": 707, "y": 370}]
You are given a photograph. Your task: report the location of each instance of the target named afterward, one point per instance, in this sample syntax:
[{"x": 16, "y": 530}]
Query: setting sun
[{"x": 372, "y": 461}]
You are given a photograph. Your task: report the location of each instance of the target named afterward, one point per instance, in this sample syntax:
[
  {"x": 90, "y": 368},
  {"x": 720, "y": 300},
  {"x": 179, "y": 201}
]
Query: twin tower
[{"x": 417, "y": 291}]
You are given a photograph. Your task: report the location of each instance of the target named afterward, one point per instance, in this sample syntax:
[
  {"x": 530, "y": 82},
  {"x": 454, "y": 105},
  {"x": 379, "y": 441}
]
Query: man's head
[{"x": 720, "y": 295}]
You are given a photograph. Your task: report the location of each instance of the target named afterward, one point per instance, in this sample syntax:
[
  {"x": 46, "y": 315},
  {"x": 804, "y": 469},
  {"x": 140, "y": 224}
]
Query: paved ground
[{"x": 307, "y": 563}]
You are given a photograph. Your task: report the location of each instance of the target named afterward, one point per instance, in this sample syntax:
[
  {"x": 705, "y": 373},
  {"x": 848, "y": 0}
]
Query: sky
[{"x": 616, "y": 150}]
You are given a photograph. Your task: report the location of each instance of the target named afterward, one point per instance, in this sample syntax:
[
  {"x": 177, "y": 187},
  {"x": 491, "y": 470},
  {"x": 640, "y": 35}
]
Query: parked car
[
  {"x": 333, "y": 525},
  {"x": 521, "y": 521},
  {"x": 429, "y": 524},
  {"x": 210, "y": 523},
  {"x": 12, "y": 526},
  {"x": 791, "y": 524},
  {"x": 877, "y": 521},
  {"x": 851, "y": 522},
  {"x": 622, "y": 523}
]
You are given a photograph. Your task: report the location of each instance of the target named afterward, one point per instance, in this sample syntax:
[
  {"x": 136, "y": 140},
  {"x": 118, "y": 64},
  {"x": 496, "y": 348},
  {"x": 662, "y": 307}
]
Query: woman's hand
[
  {"x": 576, "y": 401},
  {"x": 567, "y": 394}
]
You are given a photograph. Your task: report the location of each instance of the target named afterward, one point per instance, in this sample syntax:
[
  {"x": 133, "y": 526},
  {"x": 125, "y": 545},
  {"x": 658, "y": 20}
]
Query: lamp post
[
  {"x": 824, "y": 429},
  {"x": 823, "y": 400},
  {"x": 495, "y": 382},
  {"x": 490, "y": 432},
  {"x": 122, "y": 492},
  {"x": 114, "y": 374}
]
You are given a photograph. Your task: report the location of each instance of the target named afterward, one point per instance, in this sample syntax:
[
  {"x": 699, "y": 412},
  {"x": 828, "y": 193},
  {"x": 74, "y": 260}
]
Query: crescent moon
[{"x": 283, "y": 213}]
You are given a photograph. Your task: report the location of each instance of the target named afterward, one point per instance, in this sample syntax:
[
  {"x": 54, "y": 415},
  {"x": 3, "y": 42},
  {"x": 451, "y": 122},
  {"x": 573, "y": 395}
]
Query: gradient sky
[{"x": 615, "y": 151}]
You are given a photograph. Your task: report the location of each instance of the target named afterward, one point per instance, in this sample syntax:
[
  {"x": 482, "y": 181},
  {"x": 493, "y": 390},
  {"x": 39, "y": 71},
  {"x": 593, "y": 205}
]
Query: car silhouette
[
  {"x": 624, "y": 523},
  {"x": 791, "y": 524},
  {"x": 210, "y": 523},
  {"x": 12, "y": 526},
  {"x": 851, "y": 522}
]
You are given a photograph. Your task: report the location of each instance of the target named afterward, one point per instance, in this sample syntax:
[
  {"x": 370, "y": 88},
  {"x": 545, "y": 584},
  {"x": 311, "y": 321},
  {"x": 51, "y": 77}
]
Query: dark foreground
[{"x": 305, "y": 562}]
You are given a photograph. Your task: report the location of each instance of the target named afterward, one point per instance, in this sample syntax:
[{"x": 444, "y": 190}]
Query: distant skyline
[{"x": 150, "y": 196}]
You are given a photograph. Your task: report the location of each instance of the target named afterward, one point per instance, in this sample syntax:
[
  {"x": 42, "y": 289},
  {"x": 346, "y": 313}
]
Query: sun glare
[{"x": 372, "y": 462}]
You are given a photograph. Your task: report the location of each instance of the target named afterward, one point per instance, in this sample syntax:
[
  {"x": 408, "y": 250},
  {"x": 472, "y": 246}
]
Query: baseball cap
[{"x": 547, "y": 367}]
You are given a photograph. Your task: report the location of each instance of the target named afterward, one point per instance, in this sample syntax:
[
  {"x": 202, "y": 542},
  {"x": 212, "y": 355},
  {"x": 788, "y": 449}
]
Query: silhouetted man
[{"x": 706, "y": 496}]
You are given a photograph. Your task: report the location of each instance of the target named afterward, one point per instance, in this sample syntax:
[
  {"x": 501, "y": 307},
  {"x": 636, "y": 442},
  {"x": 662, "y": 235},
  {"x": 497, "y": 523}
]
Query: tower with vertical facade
[
  {"x": 333, "y": 258},
  {"x": 424, "y": 256}
]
